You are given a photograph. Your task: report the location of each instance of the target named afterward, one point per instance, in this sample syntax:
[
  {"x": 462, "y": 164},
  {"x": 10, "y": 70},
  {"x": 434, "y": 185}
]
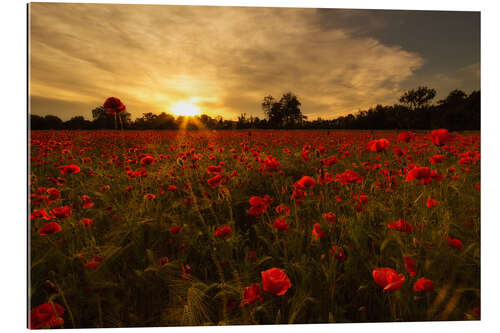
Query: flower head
[
  {"x": 49, "y": 228},
  {"x": 251, "y": 294},
  {"x": 423, "y": 284},
  {"x": 223, "y": 231},
  {"x": 114, "y": 105},
  {"x": 46, "y": 315},
  {"x": 275, "y": 281},
  {"x": 388, "y": 278}
]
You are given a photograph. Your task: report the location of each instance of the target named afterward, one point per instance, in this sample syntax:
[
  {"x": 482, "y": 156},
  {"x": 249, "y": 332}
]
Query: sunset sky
[{"x": 224, "y": 60}]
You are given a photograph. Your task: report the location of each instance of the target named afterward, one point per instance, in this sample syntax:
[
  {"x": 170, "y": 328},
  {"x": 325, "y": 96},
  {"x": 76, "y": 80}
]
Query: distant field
[{"x": 164, "y": 228}]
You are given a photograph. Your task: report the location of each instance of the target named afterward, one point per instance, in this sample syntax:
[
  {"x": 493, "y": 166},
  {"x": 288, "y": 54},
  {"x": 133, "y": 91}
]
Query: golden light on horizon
[{"x": 185, "y": 109}]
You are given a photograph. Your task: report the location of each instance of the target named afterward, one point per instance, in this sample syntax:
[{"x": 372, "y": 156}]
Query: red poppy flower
[
  {"x": 67, "y": 169},
  {"x": 223, "y": 231},
  {"x": 86, "y": 222},
  {"x": 53, "y": 193},
  {"x": 410, "y": 266},
  {"x": 388, "y": 278},
  {"x": 46, "y": 315},
  {"x": 378, "y": 145},
  {"x": 401, "y": 225},
  {"x": 418, "y": 173},
  {"x": 214, "y": 169},
  {"x": 432, "y": 203},
  {"x": 87, "y": 201},
  {"x": 147, "y": 160},
  {"x": 141, "y": 172},
  {"x": 40, "y": 213},
  {"x": 398, "y": 151},
  {"x": 424, "y": 174},
  {"x": 440, "y": 137},
  {"x": 477, "y": 312},
  {"x": 318, "y": 232},
  {"x": 214, "y": 181},
  {"x": 436, "y": 159},
  {"x": 329, "y": 161},
  {"x": 455, "y": 243},
  {"x": 338, "y": 252},
  {"x": 280, "y": 224},
  {"x": 259, "y": 204},
  {"x": 50, "y": 228},
  {"x": 348, "y": 177},
  {"x": 406, "y": 136},
  {"x": 95, "y": 262},
  {"x": 114, "y": 105},
  {"x": 175, "y": 230},
  {"x": 423, "y": 284},
  {"x": 252, "y": 294},
  {"x": 275, "y": 281},
  {"x": 149, "y": 196},
  {"x": 306, "y": 182},
  {"x": 330, "y": 217},
  {"x": 172, "y": 188},
  {"x": 362, "y": 198},
  {"x": 61, "y": 212},
  {"x": 93, "y": 265},
  {"x": 282, "y": 209},
  {"x": 270, "y": 164}
]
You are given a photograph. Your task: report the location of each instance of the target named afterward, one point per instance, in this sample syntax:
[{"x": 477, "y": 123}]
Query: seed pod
[{"x": 50, "y": 287}]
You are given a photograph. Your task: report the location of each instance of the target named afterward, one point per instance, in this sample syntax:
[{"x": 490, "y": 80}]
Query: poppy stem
[{"x": 61, "y": 293}]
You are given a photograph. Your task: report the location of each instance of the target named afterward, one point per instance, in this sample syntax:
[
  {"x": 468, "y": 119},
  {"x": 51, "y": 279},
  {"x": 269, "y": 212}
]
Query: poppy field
[{"x": 169, "y": 228}]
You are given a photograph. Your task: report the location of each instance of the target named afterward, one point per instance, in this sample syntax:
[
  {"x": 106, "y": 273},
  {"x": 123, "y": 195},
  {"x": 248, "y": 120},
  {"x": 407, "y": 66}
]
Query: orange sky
[{"x": 224, "y": 60}]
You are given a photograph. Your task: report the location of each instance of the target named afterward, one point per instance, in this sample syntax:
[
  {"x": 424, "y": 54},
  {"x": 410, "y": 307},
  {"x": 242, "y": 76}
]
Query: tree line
[{"x": 415, "y": 110}]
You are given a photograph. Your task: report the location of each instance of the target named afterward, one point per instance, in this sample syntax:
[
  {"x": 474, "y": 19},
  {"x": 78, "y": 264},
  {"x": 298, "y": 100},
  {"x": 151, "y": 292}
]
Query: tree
[
  {"x": 37, "y": 122},
  {"x": 290, "y": 109},
  {"x": 459, "y": 111},
  {"x": 267, "y": 105},
  {"x": 418, "y": 98},
  {"x": 208, "y": 121},
  {"x": 165, "y": 121},
  {"x": 455, "y": 97},
  {"x": 53, "y": 122},
  {"x": 286, "y": 112},
  {"x": 272, "y": 110},
  {"x": 103, "y": 119},
  {"x": 243, "y": 122},
  {"x": 78, "y": 122}
]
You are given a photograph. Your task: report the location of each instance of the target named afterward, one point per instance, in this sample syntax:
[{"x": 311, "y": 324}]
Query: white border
[{"x": 13, "y": 166}]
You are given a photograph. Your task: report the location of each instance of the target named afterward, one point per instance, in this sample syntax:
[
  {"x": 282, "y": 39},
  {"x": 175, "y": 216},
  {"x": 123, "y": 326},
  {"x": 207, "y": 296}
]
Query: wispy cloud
[{"x": 229, "y": 58}]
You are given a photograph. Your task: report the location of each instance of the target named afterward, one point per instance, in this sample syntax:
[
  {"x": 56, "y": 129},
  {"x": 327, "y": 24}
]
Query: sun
[{"x": 185, "y": 109}]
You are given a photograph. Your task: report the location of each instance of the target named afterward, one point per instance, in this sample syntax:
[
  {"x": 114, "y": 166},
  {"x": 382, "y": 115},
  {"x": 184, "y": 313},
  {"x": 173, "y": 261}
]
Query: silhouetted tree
[
  {"x": 290, "y": 109},
  {"x": 456, "y": 112},
  {"x": 243, "y": 122},
  {"x": 272, "y": 110},
  {"x": 208, "y": 122},
  {"x": 53, "y": 122},
  {"x": 418, "y": 98},
  {"x": 78, "y": 122},
  {"x": 455, "y": 97},
  {"x": 459, "y": 111},
  {"x": 103, "y": 119},
  {"x": 37, "y": 122},
  {"x": 285, "y": 113}
]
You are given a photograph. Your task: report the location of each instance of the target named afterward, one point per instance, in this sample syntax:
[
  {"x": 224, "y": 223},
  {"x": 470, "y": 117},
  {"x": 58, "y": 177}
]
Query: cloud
[{"x": 229, "y": 58}]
